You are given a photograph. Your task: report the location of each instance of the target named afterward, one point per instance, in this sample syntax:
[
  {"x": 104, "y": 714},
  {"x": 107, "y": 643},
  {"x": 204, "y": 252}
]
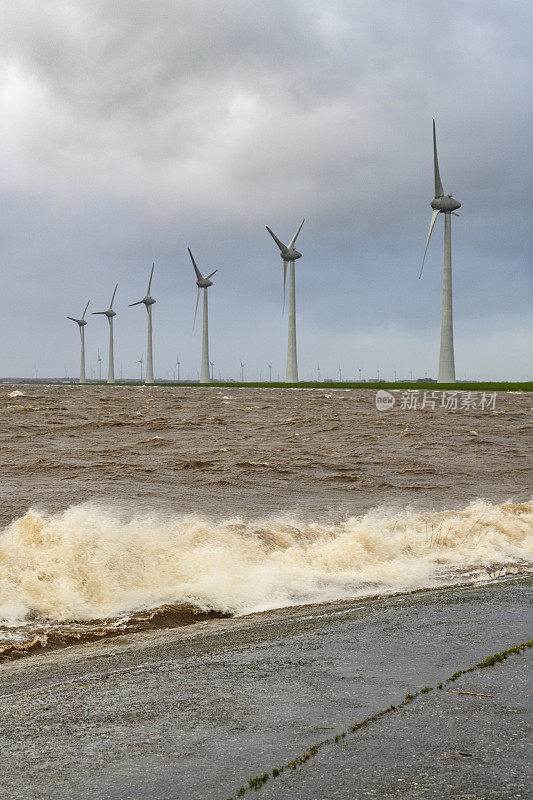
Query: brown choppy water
[{"x": 128, "y": 507}]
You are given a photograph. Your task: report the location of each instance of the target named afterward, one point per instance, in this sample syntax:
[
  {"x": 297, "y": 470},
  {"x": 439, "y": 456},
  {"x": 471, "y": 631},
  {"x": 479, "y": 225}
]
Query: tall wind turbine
[
  {"x": 148, "y": 302},
  {"x": 242, "y": 370},
  {"x": 110, "y": 314},
  {"x": 203, "y": 283},
  {"x": 447, "y": 205},
  {"x": 289, "y": 256},
  {"x": 82, "y": 323}
]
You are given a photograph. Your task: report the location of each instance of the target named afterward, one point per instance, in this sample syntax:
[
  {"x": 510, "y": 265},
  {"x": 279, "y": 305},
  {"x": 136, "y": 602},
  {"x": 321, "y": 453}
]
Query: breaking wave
[{"x": 89, "y": 572}]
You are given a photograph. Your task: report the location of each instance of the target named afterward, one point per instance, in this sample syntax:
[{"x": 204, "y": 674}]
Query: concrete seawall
[{"x": 197, "y": 712}]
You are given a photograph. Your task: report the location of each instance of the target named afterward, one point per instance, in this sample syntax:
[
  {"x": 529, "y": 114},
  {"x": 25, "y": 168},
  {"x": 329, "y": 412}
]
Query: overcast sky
[{"x": 129, "y": 130}]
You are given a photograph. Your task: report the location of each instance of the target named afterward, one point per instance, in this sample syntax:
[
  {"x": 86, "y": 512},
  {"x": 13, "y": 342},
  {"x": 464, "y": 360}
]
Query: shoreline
[{"x": 193, "y": 618}]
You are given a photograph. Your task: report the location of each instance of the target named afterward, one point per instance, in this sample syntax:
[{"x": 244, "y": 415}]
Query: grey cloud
[{"x": 132, "y": 129}]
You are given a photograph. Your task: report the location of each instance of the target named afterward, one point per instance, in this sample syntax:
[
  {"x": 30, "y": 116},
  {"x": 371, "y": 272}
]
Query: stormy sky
[{"x": 129, "y": 130}]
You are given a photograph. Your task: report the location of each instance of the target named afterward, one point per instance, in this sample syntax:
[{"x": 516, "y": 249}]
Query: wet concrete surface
[
  {"x": 443, "y": 745},
  {"x": 196, "y": 712}
]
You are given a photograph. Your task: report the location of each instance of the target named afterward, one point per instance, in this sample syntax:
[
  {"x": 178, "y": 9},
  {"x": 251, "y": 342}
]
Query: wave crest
[{"x": 90, "y": 563}]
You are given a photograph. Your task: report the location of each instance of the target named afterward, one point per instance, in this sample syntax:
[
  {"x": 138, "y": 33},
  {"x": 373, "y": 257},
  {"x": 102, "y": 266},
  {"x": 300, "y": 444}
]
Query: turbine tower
[
  {"x": 289, "y": 256},
  {"x": 447, "y": 205},
  {"x": 242, "y": 370},
  {"x": 82, "y": 323},
  {"x": 203, "y": 283},
  {"x": 99, "y": 359},
  {"x": 110, "y": 314},
  {"x": 148, "y": 303}
]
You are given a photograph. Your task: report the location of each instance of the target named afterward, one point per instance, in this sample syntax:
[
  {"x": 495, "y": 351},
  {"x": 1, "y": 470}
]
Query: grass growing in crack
[{"x": 497, "y": 658}]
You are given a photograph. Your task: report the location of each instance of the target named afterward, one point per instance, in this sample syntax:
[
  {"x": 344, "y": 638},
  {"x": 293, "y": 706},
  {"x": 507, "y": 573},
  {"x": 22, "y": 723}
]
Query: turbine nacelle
[
  {"x": 147, "y": 299},
  {"x": 81, "y": 322},
  {"x": 445, "y": 203},
  {"x": 204, "y": 283},
  {"x": 290, "y": 255},
  {"x": 109, "y": 313},
  {"x": 287, "y": 252}
]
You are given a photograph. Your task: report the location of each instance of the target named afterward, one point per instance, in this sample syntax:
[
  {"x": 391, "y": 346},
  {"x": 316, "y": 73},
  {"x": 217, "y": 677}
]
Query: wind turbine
[
  {"x": 289, "y": 256},
  {"x": 110, "y": 314},
  {"x": 140, "y": 361},
  {"x": 148, "y": 303},
  {"x": 99, "y": 359},
  {"x": 212, "y": 364},
  {"x": 81, "y": 324},
  {"x": 242, "y": 371},
  {"x": 203, "y": 283},
  {"x": 447, "y": 205},
  {"x": 269, "y": 372},
  {"x": 177, "y": 366}
]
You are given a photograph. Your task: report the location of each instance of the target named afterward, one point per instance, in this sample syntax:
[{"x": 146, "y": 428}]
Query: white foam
[{"x": 89, "y": 562}]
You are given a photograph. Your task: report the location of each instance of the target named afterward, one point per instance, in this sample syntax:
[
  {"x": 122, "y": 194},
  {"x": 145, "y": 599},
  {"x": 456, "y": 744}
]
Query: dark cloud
[{"x": 129, "y": 130}]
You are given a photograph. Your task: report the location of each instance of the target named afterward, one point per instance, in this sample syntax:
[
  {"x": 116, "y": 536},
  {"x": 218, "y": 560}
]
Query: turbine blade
[
  {"x": 86, "y": 307},
  {"x": 211, "y": 274},
  {"x": 98, "y": 312},
  {"x": 114, "y": 293},
  {"x": 198, "y": 273},
  {"x": 455, "y": 214},
  {"x": 439, "y": 191},
  {"x": 196, "y": 307},
  {"x": 150, "y": 281},
  {"x": 73, "y": 319},
  {"x": 431, "y": 226},
  {"x": 280, "y": 244},
  {"x": 285, "y": 264},
  {"x": 138, "y": 303},
  {"x": 293, "y": 240}
]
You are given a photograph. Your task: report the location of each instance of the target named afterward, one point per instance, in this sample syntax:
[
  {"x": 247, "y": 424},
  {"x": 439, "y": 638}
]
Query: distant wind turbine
[
  {"x": 242, "y": 371},
  {"x": 99, "y": 359},
  {"x": 81, "y": 324},
  {"x": 318, "y": 372},
  {"x": 212, "y": 363},
  {"x": 447, "y": 205},
  {"x": 203, "y": 283},
  {"x": 177, "y": 367},
  {"x": 148, "y": 302},
  {"x": 141, "y": 361},
  {"x": 289, "y": 256},
  {"x": 269, "y": 372},
  {"x": 110, "y": 314}
]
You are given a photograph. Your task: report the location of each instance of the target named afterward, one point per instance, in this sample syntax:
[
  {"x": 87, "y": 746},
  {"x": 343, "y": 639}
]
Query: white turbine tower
[
  {"x": 82, "y": 323},
  {"x": 148, "y": 303},
  {"x": 289, "y": 256},
  {"x": 447, "y": 205},
  {"x": 110, "y": 314},
  {"x": 203, "y": 283}
]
